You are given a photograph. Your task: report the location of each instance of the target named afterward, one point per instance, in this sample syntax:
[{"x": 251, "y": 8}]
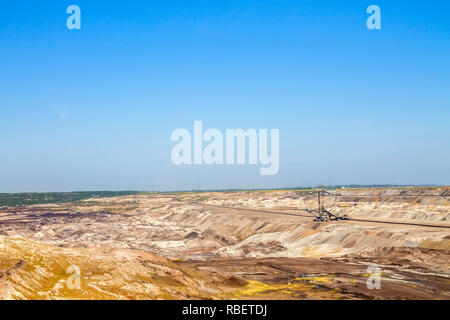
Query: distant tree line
[
  {"x": 23, "y": 199},
  {"x": 327, "y": 187}
]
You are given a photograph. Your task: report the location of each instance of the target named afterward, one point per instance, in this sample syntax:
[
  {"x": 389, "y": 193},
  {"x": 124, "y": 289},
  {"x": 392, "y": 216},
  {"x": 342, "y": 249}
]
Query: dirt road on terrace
[{"x": 354, "y": 219}]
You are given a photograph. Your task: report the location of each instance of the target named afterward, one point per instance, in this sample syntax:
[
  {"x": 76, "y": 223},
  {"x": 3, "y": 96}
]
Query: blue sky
[{"x": 93, "y": 109}]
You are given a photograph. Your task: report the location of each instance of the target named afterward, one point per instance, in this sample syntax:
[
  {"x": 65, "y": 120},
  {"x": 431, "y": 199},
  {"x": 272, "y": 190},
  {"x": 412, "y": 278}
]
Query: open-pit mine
[{"x": 231, "y": 245}]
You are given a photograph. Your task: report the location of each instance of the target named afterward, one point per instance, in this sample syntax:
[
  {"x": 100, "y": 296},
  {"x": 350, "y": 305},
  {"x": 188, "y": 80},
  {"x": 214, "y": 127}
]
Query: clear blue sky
[{"x": 94, "y": 109}]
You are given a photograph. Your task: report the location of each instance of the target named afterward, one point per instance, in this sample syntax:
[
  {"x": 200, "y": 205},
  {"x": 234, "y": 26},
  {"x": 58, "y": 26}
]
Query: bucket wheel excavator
[{"x": 321, "y": 214}]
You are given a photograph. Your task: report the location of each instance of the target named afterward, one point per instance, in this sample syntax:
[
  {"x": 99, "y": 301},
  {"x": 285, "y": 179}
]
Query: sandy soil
[{"x": 233, "y": 245}]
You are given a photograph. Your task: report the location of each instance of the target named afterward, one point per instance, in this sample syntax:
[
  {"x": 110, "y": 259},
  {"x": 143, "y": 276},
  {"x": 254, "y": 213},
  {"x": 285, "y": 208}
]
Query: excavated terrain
[{"x": 214, "y": 245}]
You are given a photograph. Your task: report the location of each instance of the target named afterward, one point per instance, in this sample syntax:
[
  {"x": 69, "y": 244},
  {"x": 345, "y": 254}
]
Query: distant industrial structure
[{"x": 321, "y": 214}]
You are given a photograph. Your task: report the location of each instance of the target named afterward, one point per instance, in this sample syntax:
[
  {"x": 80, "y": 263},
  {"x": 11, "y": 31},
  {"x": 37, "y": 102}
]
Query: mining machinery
[{"x": 321, "y": 214}]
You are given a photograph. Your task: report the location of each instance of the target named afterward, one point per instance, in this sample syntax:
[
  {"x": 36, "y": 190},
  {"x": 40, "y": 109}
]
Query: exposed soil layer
[
  {"x": 343, "y": 278},
  {"x": 233, "y": 244}
]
